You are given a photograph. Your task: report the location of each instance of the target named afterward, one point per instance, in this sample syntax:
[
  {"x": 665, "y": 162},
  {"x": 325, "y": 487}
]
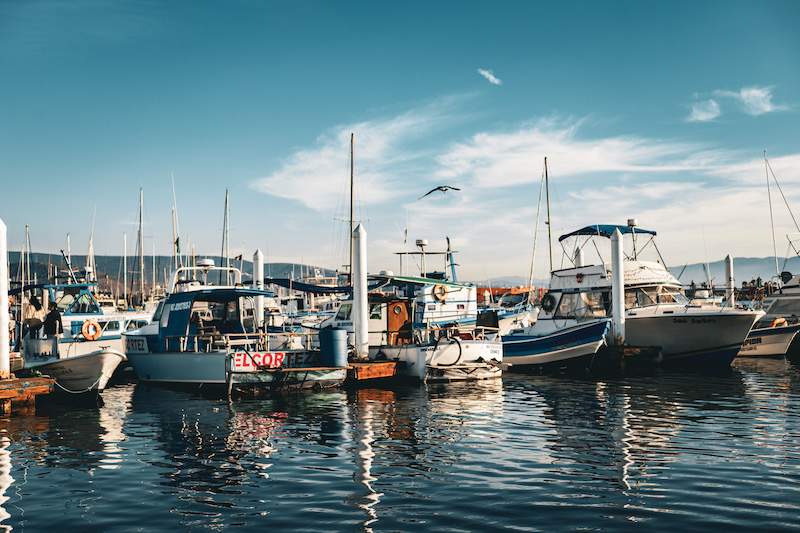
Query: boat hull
[
  {"x": 451, "y": 359},
  {"x": 693, "y": 335},
  {"x": 85, "y": 373},
  {"x": 234, "y": 370},
  {"x": 574, "y": 345},
  {"x": 769, "y": 341}
]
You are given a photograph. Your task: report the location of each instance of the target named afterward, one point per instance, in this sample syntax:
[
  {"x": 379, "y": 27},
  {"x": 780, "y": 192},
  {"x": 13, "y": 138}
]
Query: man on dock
[{"x": 52, "y": 322}]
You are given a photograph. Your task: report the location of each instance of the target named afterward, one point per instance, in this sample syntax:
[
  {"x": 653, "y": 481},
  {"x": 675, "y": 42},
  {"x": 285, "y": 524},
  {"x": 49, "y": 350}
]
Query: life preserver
[
  {"x": 548, "y": 303},
  {"x": 440, "y": 292},
  {"x": 90, "y": 330},
  {"x": 778, "y": 322}
]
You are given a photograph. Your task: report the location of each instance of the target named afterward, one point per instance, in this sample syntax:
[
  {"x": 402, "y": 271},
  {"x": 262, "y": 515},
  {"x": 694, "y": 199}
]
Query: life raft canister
[{"x": 90, "y": 330}]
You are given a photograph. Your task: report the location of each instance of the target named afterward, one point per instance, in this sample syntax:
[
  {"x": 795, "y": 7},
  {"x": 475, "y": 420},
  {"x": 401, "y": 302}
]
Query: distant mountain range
[
  {"x": 744, "y": 269},
  {"x": 110, "y": 268}
]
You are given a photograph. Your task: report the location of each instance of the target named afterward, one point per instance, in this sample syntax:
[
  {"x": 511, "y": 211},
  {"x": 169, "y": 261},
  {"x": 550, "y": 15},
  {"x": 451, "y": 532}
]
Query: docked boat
[
  {"x": 214, "y": 335},
  {"x": 79, "y": 366},
  {"x": 570, "y": 347},
  {"x": 431, "y": 326},
  {"x": 657, "y": 312},
  {"x": 775, "y": 332}
]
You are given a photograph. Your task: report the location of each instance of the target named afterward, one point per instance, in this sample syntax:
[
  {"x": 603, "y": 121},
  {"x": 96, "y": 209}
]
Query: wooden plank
[{"x": 373, "y": 370}]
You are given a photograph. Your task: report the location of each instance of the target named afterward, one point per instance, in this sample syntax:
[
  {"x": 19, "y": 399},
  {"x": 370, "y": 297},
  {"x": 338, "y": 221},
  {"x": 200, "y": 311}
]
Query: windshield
[{"x": 654, "y": 295}]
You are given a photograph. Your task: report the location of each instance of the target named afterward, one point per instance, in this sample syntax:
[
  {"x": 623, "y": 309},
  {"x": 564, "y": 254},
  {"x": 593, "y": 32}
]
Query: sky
[{"x": 659, "y": 111}]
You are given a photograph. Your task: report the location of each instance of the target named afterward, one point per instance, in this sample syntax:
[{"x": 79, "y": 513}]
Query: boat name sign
[
  {"x": 253, "y": 362},
  {"x": 136, "y": 344}
]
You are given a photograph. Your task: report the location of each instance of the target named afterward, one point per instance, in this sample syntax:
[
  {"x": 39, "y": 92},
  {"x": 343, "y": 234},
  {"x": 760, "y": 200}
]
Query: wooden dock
[
  {"x": 23, "y": 391},
  {"x": 371, "y": 370}
]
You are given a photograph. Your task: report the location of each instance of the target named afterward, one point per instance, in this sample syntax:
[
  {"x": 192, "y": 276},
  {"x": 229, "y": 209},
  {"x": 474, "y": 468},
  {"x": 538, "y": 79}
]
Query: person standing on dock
[{"x": 52, "y": 322}]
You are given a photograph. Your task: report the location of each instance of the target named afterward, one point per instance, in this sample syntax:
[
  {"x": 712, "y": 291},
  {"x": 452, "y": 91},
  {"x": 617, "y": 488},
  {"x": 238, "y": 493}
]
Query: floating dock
[{"x": 23, "y": 391}]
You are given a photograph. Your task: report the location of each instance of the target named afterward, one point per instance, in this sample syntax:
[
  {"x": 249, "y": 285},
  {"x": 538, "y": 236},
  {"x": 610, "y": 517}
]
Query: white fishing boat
[
  {"x": 78, "y": 366},
  {"x": 431, "y": 326},
  {"x": 657, "y": 312},
  {"x": 212, "y": 335},
  {"x": 775, "y": 332}
]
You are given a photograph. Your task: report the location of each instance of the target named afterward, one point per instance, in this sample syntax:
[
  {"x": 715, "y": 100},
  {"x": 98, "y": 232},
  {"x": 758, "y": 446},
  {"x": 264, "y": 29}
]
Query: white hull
[
  {"x": 711, "y": 335},
  {"x": 84, "y": 373},
  {"x": 449, "y": 360},
  {"x": 768, "y": 341}
]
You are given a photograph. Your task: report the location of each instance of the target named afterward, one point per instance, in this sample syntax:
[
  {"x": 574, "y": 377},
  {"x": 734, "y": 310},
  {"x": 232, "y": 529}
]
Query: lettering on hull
[{"x": 257, "y": 361}]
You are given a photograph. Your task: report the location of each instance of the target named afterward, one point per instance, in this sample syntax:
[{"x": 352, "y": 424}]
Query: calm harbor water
[{"x": 658, "y": 450}]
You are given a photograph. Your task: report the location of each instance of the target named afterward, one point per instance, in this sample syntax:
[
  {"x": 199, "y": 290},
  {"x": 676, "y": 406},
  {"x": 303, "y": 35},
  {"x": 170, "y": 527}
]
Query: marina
[{"x": 370, "y": 267}]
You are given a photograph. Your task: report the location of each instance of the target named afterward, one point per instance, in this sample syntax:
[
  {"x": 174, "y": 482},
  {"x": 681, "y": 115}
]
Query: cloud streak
[
  {"x": 753, "y": 101},
  {"x": 489, "y": 75}
]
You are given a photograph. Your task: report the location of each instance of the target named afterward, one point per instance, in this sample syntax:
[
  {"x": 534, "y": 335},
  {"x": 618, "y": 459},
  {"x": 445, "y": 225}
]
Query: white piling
[
  {"x": 617, "y": 288},
  {"x": 578, "y": 257},
  {"x": 729, "y": 296},
  {"x": 360, "y": 309},
  {"x": 258, "y": 283},
  {"x": 5, "y": 361}
]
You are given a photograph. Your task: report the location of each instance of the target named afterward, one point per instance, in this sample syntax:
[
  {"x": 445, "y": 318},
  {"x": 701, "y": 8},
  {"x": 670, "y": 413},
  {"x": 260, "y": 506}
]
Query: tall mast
[
  {"x": 771, "y": 221},
  {"x": 225, "y": 240},
  {"x": 350, "y": 268},
  {"x": 141, "y": 245},
  {"x": 176, "y": 228},
  {"x": 125, "y": 267},
  {"x": 549, "y": 237}
]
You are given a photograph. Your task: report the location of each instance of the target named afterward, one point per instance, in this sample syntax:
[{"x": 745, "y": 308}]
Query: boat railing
[{"x": 213, "y": 341}]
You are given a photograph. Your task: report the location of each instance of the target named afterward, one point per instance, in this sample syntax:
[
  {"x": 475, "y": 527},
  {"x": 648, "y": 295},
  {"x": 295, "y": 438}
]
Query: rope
[{"x": 88, "y": 389}]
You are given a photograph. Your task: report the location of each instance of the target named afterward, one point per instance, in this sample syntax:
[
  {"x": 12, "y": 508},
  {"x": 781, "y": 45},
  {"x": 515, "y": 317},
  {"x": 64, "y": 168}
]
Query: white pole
[
  {"x": 617, "y": 288},
  {"x": 729, "y": 297},
  {"x": 258, "y": 283},
  {"x": 5, "y": 362},
  {"x": 578, "y": 257},
  {"x": 360, "y": 311}
]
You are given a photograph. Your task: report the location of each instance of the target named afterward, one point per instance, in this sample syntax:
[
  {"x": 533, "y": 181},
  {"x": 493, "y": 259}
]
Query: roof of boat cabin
[
  {"x": 416, "y": 280},
  {"x": 605, "y": 230}
]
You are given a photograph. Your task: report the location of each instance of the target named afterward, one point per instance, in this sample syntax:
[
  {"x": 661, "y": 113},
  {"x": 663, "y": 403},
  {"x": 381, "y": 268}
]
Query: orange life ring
[
  {"x": 90, "y": 330},
  {"x": 440, "y": 293},
  {"x": 778, "y": 322}
]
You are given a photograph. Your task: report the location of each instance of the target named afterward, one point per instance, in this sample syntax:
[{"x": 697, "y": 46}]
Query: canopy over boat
[{"x": 605, "y": 230}]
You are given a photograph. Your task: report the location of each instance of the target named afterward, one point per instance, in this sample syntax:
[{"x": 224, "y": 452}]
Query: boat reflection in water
[{"x": 668, "y": 449}]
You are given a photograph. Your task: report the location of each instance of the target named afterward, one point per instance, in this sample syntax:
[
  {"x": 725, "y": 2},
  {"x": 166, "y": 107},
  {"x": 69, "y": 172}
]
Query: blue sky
[{"x": 659, "y": 111}]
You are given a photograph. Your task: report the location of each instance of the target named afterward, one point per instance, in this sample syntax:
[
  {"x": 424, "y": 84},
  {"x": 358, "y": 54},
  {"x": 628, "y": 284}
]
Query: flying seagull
[{"x": 442, "y": 188}]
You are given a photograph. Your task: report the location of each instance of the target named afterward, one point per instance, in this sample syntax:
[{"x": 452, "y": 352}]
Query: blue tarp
[{"x": 605, "y": 230}]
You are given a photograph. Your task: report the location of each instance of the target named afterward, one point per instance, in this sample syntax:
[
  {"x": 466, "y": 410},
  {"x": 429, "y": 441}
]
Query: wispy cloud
[
  {"x": 389, "y": 151},
  {"x": 489, "y": 75},
  {"x": 752, "y": 100},
  {"x": 704, "y": 111},
  {"x": 670, "y": 185}
]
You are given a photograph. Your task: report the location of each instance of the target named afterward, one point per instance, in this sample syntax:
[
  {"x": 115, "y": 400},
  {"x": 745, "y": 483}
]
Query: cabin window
[
  {"x": 85, "y": 304},
  {"x": 344, "y": 312},
  {"x": 375, "y": 311},
  {"x": 579, "y": 305},
  {"x": 641, "y": 296},
  {"x": 110, "y": 326}
]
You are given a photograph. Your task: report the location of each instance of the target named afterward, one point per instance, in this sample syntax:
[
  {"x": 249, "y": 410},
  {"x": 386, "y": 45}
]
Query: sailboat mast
[
  {"x": 141, "y": 245},
  {"x": 771, "y": 220},
  {"x": 549, "y": 235},
  {"x": 350, "y": 268},
  {"x": 225, "y": 244}
]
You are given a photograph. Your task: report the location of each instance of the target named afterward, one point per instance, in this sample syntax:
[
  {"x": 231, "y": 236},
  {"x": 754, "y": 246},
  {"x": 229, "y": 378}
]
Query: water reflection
[{"x": 590, "y": 452}]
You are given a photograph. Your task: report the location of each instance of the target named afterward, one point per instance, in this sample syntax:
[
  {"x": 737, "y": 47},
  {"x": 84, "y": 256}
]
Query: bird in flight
[{"x": 442, "y": 188}]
